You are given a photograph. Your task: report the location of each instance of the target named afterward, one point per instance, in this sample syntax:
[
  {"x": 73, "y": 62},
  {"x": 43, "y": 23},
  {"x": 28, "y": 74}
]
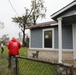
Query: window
[{"x": 48, "y": 38}]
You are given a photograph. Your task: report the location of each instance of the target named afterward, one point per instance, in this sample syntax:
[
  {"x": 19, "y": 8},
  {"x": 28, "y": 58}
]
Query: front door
[{"x": 74, "y": 40}]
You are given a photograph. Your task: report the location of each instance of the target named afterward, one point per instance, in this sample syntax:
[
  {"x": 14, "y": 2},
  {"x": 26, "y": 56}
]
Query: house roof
[
  {"x": 44, "y": 24},
  {"x": 63, "y": 9},
  {"x": 54, "y": 16}
]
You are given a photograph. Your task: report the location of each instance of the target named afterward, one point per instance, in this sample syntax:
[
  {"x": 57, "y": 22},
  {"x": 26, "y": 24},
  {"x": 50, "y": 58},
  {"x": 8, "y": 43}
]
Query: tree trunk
[
  {"x": 34, "y": 22},
  {"x": 23, "y": 41}
]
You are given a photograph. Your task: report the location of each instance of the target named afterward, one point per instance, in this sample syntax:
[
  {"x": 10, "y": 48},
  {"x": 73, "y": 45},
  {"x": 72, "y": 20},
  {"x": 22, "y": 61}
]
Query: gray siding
[
  {"x": 36, "y": 38},
  {"x": 67, "y": 39},
  {"x": 56, "y": 37}
]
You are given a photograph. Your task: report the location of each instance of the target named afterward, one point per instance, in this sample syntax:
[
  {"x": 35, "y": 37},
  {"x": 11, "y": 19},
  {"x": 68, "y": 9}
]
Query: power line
[{"x": 13, "y": 7}]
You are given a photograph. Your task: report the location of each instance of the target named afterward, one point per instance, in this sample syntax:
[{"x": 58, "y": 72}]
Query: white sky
[{"x": 6, "y": 13}]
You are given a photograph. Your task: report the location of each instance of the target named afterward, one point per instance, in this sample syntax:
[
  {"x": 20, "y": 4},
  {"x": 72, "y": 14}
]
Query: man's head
[{"x": 13, "y": 39}]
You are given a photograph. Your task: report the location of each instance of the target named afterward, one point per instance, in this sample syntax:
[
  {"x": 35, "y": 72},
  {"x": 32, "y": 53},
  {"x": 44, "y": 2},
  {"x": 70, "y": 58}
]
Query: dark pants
[
  {"x": 10, "y": 59},
  {"x": 2, "y": 49}
]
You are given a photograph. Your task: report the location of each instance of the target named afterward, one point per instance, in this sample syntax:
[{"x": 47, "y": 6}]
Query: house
[{"x": 56, "y": 40}]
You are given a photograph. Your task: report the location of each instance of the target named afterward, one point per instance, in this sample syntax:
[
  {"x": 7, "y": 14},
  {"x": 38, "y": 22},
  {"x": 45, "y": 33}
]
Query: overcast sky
[{"x": 6, "y": 13}]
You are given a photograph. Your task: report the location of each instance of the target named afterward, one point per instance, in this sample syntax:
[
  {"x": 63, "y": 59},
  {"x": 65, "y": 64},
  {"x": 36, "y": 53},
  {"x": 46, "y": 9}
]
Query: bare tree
[
  {"x": 30, "y": 17},
  {"x": 38, "y": 10},
  {"x": 23, "y": 22}
]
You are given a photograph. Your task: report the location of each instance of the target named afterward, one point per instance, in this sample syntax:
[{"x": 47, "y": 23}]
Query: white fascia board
[
  {"x": 67, "y": 7},
  {"x": 54, "y": 24}
]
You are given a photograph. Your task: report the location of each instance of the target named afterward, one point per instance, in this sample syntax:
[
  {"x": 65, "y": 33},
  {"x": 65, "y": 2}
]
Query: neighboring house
[{"x": 56, "y": 40}]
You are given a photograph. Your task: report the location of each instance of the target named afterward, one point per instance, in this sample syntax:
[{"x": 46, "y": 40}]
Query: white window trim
[
  {"x": 52, "y": 38},
  {"x": 48, "y": 49}
]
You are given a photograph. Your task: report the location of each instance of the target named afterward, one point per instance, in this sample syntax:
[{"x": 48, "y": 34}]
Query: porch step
[
  {"x": 73, "y": 62},
  {"x": 68, "y": 71}
]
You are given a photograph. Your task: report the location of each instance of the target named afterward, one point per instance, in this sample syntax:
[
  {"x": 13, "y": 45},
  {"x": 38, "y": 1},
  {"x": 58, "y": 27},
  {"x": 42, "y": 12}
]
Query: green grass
[
  {"x": 4, "y": 56},
  {"x": 4, "y": 62},
  {"x": 26, "y": 67},
  {"x": 22, "y": 52}
]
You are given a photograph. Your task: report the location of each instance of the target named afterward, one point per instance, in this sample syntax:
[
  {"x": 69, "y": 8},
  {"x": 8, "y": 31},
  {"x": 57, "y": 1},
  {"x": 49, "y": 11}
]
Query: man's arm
[
  {"x": 19, "y": 45},
  {"x": 8, "y": 45}
]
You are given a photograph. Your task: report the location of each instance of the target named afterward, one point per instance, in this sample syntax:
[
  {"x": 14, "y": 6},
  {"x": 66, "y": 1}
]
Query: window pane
[{"x": 48, "y": 39}]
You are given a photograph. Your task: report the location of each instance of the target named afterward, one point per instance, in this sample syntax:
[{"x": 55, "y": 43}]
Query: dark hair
[{"x": 2, "y": 41}]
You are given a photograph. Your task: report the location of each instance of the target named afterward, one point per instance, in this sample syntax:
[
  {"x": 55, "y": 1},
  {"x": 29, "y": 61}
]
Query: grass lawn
[
  {"x": 4, "y": 62},
  {"x": 26, "y": 67},
  {"x": 22, "y": 52},
  {"x": 4, "y": 56}
]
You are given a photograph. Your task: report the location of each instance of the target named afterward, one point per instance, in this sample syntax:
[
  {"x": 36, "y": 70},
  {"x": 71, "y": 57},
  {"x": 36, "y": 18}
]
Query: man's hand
[{"x": 17, "y": 55}]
